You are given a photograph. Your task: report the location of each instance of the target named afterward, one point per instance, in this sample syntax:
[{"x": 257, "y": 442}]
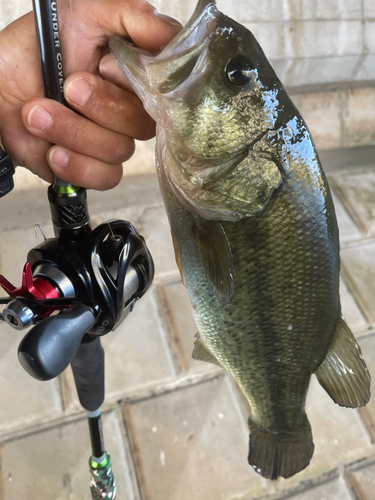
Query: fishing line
[{"x": 102, "y": 209}]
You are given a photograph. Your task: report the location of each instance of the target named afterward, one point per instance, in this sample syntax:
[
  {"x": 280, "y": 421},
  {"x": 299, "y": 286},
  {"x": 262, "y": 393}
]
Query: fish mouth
[
  {"x": 201, "y": 24},
  {"x": 164, "y": 72}
]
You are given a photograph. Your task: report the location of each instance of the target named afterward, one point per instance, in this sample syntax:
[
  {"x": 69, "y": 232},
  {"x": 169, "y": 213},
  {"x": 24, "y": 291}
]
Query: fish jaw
[
  {"x": 208, "y": 154},
  {"x": 152, "y": 76}
]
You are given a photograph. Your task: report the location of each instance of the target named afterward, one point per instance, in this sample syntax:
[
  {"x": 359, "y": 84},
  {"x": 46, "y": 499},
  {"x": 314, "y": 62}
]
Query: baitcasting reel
[{"x": 76, "y": 287}]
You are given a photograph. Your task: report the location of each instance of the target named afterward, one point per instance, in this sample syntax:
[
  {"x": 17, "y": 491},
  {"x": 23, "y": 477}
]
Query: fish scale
[
  {"x": 254, "y": 229},
  {"x": 260, "y": 317}
]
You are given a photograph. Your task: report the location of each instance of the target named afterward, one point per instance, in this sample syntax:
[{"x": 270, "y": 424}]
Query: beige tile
[
  {"x": 358, "y": 266},
  {"x": 181, "y": 11},
  {"x": 164, "y": 426},
  {"x": 369, "y": 8},
  {"x": 338, "y": 433},
  {"x": 358, "y": 121},
  {"x": 368, "y": 350},
  {"x": 366, "y": 71},
  {"x": 54, "y": 463},
  {"x": 281, "y": 66},
  {"x": 348, "y": 231},
  {"x": 136, "y": 355},
  {"x": 322, "y": 115},
  {"x": 321, "y": 9},
  {"x": 332, "y": 490},
  {"x": 370, "y": 36},
  {"x": 362, "y": 480},
  {"x": 357, "y": 193},
  {"x": 351, "y": 311},
  {"x": 251, "y": 10},
  {"x": 323, "y": 38},
  {"x": 270, "y": 36},
  {"x": 14, "y": 247},
  {"x": 24, "y": 400},
  {"x": 142, "y": 161},
  {"x": 12, "y": 10},
  {"x": 192, "y": 444},
  {"x": 25, "y": 180},
  {"x": 178, "y": 318},
  {"x": 154, "y": 226},
  {"x": 319, "y": 70}
]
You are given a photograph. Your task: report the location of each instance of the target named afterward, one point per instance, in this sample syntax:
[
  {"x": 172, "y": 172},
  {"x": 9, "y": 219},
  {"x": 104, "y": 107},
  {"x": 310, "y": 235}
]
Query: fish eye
[{"x": 238, "y": 71}]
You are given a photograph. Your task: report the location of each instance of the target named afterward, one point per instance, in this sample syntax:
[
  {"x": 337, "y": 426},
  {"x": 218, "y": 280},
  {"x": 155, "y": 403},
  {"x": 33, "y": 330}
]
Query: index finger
[{"x": 136, "y": 19}]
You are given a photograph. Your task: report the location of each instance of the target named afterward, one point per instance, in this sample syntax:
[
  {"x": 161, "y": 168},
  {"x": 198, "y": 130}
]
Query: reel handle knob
[{"x": 49, "y": 347}]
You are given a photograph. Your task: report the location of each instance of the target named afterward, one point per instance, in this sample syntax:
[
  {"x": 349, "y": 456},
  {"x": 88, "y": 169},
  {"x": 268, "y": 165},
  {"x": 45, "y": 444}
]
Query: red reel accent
[{"x": 31, "y": 288}]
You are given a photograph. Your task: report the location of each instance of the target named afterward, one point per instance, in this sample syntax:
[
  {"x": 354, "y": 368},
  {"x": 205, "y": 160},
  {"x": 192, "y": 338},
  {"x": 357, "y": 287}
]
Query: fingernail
[
  {"x": 78, "y": 91},
  {"x": 108, "y": 65},
  {"x": 58, "y": 157},
  {"x": 167, "y": 19},
  {"x": 39, "y": 118}
]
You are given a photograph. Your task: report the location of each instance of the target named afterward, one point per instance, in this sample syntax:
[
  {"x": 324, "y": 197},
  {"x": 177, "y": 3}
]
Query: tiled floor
[{"x": 176, "y": 428}]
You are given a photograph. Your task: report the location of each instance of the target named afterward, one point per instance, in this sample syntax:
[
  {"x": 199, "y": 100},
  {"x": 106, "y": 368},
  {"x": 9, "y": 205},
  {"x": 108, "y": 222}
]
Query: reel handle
[{"x": 49, "y": 347}]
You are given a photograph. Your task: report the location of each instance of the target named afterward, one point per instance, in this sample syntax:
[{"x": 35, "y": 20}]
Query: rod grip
[{"x": 88, "y": 372}]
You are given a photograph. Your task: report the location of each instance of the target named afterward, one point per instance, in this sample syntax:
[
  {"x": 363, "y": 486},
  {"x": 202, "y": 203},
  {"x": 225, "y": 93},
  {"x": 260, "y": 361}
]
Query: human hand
[{"x": 95, "y": 142}]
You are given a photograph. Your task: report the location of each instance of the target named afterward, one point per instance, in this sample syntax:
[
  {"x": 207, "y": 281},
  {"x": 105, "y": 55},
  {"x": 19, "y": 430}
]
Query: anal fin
[
  {"x": 343, "y": 372},
  {"x": 201, "y": 353}
]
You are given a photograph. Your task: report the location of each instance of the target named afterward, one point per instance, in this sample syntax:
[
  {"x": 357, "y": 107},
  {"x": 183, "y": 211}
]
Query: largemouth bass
[{"x": 254, "y": 229}]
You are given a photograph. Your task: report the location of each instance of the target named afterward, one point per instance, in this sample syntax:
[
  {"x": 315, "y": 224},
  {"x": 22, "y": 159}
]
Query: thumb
[{"x": 136, "y": 19}]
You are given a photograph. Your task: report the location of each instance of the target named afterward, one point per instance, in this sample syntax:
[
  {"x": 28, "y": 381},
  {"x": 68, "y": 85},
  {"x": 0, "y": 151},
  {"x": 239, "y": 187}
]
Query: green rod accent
[{"x": 68, "y": 189}]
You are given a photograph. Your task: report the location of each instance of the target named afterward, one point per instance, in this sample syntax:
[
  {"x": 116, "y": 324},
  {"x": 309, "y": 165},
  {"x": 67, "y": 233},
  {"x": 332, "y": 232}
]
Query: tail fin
[{"x": 275, "y": 454}]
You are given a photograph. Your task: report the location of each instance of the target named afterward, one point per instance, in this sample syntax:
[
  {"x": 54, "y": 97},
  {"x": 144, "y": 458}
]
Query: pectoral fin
[
  {"x": 201, "y": 353},
  {"x": 216, "y": 256},
  {"x": 178, "y": 260},
  {"x": 343, "y": 373}
]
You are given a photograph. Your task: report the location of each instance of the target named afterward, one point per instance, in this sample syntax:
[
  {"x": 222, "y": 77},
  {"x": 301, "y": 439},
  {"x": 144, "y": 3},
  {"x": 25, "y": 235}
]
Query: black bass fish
[{"x": 254, "y": 229}]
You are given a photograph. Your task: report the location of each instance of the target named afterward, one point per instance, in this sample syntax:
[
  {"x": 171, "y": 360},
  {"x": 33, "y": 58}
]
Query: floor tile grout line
[
  {"x": 135, "y": 493},
  {"x": 356, "y": 295},
  {"x": 163, "y": 331},
  {"x": 348, "y": 171},
  {"x": 286, "y": 494},
  {"x": 179, "y": 385},
  {"x": 366, "y": 422},
  {"x": 364, "y": 334},
  {"x": 127, "y": 423},
  {"x": 355, "y": 243},
  {"x": 47, "y": 426},
  {"x": 353, "y": 467},
  {"x": 236, "y": 403},
  {"x": 137, "y": 396},
  {"x": 350, "y": 210}
]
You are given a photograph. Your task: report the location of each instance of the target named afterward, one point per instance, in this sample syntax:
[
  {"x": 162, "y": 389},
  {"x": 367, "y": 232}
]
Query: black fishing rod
[
  {"x": 90, "y": 278},
  {"x": 68, "y": 203}
]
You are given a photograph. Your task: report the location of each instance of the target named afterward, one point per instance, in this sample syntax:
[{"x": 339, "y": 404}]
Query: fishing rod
[{"x": 77, "y": 286}]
